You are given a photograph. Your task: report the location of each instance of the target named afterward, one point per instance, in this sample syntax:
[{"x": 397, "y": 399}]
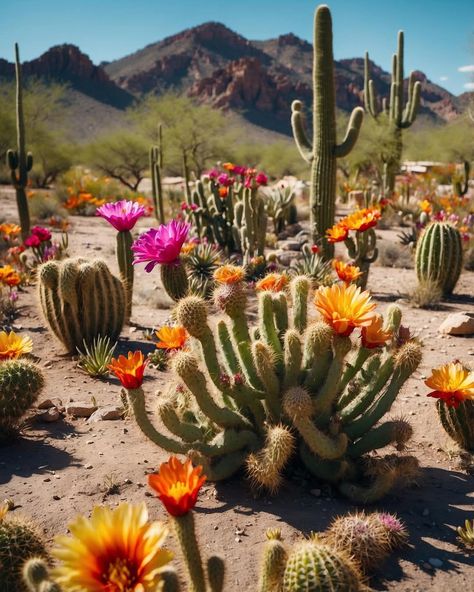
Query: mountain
[{"x": 254, "y": 80}]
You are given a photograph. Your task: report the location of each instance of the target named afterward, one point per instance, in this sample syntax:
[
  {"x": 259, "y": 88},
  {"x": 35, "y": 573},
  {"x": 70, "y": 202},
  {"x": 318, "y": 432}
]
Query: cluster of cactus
[
  {"x": 201, "y": 263},
  {"x": 237, "y": 221},
  {"x": 281, "y": 207},
  {"x": 20, "y": 161},
  {"x": 363, "y": 252},
  {"x": 323, "y": 152},
  {"x": 400, "y": 115},
  {"x": 439, "y": 256},
  {"x": 458, "y": 422},
  {"x": 462, "y": 187},
  {"x": 19, "y": 542},
  {"x": 21, "y": 382},
  {"x": 289, "y": 388},
  {"x": 81, "y": 300},
  {"x": 156, "y": 167}
]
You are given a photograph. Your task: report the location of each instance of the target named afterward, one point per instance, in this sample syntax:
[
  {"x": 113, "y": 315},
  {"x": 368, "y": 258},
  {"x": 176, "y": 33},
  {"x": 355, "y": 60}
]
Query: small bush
[
  {"x": 426, "y": 294},
  {"x": 393, "y": 255}
]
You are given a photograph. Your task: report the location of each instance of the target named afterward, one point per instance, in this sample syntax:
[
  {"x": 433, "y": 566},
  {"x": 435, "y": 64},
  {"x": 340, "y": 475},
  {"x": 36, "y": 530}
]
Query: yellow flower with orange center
[
  {"x": 177, "y": 485},
  {"x": 374, "y": 335},
  {"x": 116, "y": 550},
  {"x": 338, "y": 233},
  {"x": 129, "y": 370},
  {"x": 452, "y": 383},
  {"x": 229, "y": 274},
  {"x": 8, "y": 229},
  {"x": 345, "y": 271},
  {"x": 425, "y": 206},
  {"x": 13, "y": 346},
  {"x": 273, "y": 282},
  {"x": 362, "y": 220},
  {"x": 344, "y": 307},
  {"x": 171, "y": 337},
  {"x": 9, "y": 276}
]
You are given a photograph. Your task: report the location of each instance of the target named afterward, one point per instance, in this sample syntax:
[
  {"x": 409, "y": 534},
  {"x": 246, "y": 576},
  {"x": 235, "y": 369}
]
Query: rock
[
  {"x": 286, "y": 257},
  {"x": 50, "y": 415},
  {"x": 109, "y": 412},
  {"x": 289, "y": 245},
  {"x": 458, "y": 323},
  {"x": 47, "y": 403},
  {"x": 80, "y": 409},
  {"x": 435, "y": 562}
]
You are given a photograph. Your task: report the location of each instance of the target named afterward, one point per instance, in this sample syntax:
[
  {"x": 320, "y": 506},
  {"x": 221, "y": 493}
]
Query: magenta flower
[
  {"x": 123, "y": 214},
  {"x": 239, "y": 170},
  {"x": 261, "y": 179},
  {"x": 161, "y": 245},
  {"x": 225, "y": 180},
  {"x": 213, "y": 174},
  {"x": 42, "y": 233},
  {"x": 33, "y": 241}
]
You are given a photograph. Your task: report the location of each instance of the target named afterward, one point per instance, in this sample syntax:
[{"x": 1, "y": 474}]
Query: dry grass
[{"x": 426, "y": 294}]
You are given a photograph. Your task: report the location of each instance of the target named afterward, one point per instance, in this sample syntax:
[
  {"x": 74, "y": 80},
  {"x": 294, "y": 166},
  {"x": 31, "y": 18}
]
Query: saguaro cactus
[
  {"x": 19, "y": 161},
  {"x": 323, "y": 152},
  {"x": 400, "y": 116},
  {"x": 461, "y": 188},
  {"x": 156, "y": 167}
]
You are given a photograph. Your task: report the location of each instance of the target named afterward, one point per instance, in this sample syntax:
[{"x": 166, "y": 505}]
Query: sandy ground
[{"x": 56, "y": 471}]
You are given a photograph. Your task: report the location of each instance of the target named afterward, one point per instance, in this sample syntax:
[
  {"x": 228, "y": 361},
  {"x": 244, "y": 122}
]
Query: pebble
[
  {"x": 56, "y": 497},
  {"x": 107, "y": 413},
  {"x": 50, "y": 415},
  {"x": 80, "y": 409},
  {"x": 88, "y": 467},
  {"x": 435, "y": 562}
]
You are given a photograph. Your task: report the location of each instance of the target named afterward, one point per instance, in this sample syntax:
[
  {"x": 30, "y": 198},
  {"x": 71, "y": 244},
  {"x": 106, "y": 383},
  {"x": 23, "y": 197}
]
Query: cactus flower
[
  {"x": 374, "y": 335},
  {"x": 452, "y": 383},
  {"x": 129, "y": 370},
  {"x": 177, "y": 485},
  {"x": 9, "y": 276},
  {"x": 161, "y": 245},
  {"x": 362, "y": 220},
  {"x": 273, "y": 282},
  {"x": 123, "y": 214},
  {"x": 338, "y": 233},
  {"x": 116, "y": 550},
  {"x": 345, "y": 271},
  {"x": 171, "y": 338},
  {"x": 13, "y": 346},
  {"x": 425, "y": 206},
  {"x": 344, "y": 307},
  {"x": 229, "y": 274}
]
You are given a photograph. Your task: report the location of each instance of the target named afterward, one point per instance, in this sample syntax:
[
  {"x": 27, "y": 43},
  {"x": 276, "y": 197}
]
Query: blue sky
[{"x": 439, "y": 33}]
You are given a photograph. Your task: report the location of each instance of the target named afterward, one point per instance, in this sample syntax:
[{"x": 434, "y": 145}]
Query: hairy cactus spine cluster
[
  {"x": 439, "y": 255},
  {"x": 323, "y": 151},
  {"x": 20, "y": 161},
  {"x": 81, "y": 300},
  {"x": 458, "y": 422}
]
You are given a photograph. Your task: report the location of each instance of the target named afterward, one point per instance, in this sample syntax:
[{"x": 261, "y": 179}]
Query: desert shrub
[
  {"x": 393, "y": 255},
  {"x": 426, "y": 294}
]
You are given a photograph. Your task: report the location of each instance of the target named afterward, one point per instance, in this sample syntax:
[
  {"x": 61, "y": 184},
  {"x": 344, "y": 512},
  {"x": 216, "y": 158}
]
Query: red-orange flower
[
  {"x": 374, "y": 335},
  {"x": 229, "y": 274},
  {"x": 228, "y": 166},
  {"x": 223, "y": 192},
  {"x": 453, "y": 384},
  {"x": 345, "y": 271},
  {"x": 9, "y": 276},
  {"x": 129, "y": 370},
  {"x": 363, "y": 219},
  {"x": 273, "y": 282},
  {"x": 177, "y": 485},
  {"x": 171, "y": 337},
  {"x": 337, "y": 233}
]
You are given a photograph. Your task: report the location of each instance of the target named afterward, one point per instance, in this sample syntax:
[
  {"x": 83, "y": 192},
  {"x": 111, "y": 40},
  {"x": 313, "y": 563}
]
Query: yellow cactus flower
[
  {"x": 452, "y": 383},
  {"x": 13, "y": 346}
]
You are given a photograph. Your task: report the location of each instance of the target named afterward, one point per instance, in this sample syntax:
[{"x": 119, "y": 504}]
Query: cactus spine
[
  {"x": 458, "y": 422},
  {"x": 20, "y": 384},
  {"x": 439, "y": 256},
  {"x": 81, "y": 300},
  {"x": 400, "y": 116},
  {"x": 19, "y": 161},
  {"x": 156, "y": 168},
  {"x": 323, "y": 152}
]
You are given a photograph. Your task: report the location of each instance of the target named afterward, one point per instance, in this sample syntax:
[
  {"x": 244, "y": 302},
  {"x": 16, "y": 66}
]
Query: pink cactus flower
[
  {"x": 42, "y": 233},
  {"x": 239, "y": 170},
  {"x": 122, "y": 214},
  {"x": 212, "y": 174},
  {"x": 33, "y": 241},
  {"x": 161, "y": 245},
  {"x": 225, "y": 180},
  {"x": 261, "y": 179}
]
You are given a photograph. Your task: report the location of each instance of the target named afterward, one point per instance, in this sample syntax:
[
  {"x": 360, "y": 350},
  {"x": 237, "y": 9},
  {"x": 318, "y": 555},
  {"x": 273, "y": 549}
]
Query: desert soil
[{"x": 59, "y": 470}]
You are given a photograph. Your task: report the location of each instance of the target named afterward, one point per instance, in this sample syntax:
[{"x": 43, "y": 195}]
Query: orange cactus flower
[
  {"x": 8, "y": 229},
  {"x": 345, "y": 271},
  {"x": 452, "y": 383},
  {"x": 13, "y": 346},
  {"x": 223, "y": 192},
  {"x": 338, "y": 233},
  {"x": 171, "y": 337},
  {"x": 229, "y": 274},
  {"x": 344, "y": 307},
  {"x": 129, "y": 370},
  {"x": 177, "y": 485},
  {"x": 228, "y": 166},
  {"x": 425, "y": 206},
  {"x": 374, "y": 335},
  {"x": 362, "y": 220},
  {"x": 116, "y": 550},
  {"x": 187, "y": 248},
  {"x": 273, "y": 282},
  {"x": 9, "y": 276}
]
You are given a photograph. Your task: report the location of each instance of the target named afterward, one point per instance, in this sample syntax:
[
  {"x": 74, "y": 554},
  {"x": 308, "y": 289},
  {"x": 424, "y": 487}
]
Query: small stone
[
  {"x": 107, "y": 413},
  {"x": 56, "y": 497},
  {"x": 289, "y": 245},
  {"x": 286, "y": 257},
  {"x": 435, "y": 562},
  {"x": 458, "y": 323},
  {"x": 48, "y": 364},
  {"x": 50, "y": 415},
  {"x": 80, "y": 409},
  {"x": 88, "y": 466},
  {"x": 47, "y": 403}
]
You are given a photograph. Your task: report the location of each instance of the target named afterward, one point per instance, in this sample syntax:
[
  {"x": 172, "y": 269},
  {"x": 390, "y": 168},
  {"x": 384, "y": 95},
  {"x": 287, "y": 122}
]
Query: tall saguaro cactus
[
  {"x": 400, "y": 115},
  {"x": 19, "y": 161},
  {"x": 156, "y": 167},
  {"x": 323, "y": 151}
]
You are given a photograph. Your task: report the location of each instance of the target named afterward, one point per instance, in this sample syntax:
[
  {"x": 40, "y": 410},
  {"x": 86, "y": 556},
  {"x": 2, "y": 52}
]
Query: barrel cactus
[
  {"x": 458, "y": 422},
  {"x": 21, "y": 381},
  {"x": 439, "y": 256},
  {"x": 81, "y": 300},
  {"x": 293, "y": 387}
]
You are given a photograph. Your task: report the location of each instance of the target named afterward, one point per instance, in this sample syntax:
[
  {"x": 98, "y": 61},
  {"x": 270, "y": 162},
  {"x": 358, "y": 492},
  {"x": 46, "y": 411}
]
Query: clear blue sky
[{"x": 439, "y": 33}]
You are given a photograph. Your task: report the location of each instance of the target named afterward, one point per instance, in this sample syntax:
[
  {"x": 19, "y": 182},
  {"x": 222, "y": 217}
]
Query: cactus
[
  {"x": 395, "y": 529},
  {"x": 460, "y": 189},
  {"x": 458, "y": 422},
  {"x": 125, "y": 263},
  {"x": 288, "y": 389},
  {"x": 313, "y": 265},
  {"x": 156, "y": 167},
  {"x": 201, "y": 263},
  {"x": 20, "y": 384},
  {"x": 19, "y": 541},
  {"x": 363, "y": 252},
  {"x": 19, "y": 161},
  {"x": 81, "y": 300},
  {"x": 439, "y": 256},
  {"x": 400, "y": 116},
  {"x": 273, "y": 563},
  {"x": 323, "y": 152},
  {"x": 281, "y": 208}
]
